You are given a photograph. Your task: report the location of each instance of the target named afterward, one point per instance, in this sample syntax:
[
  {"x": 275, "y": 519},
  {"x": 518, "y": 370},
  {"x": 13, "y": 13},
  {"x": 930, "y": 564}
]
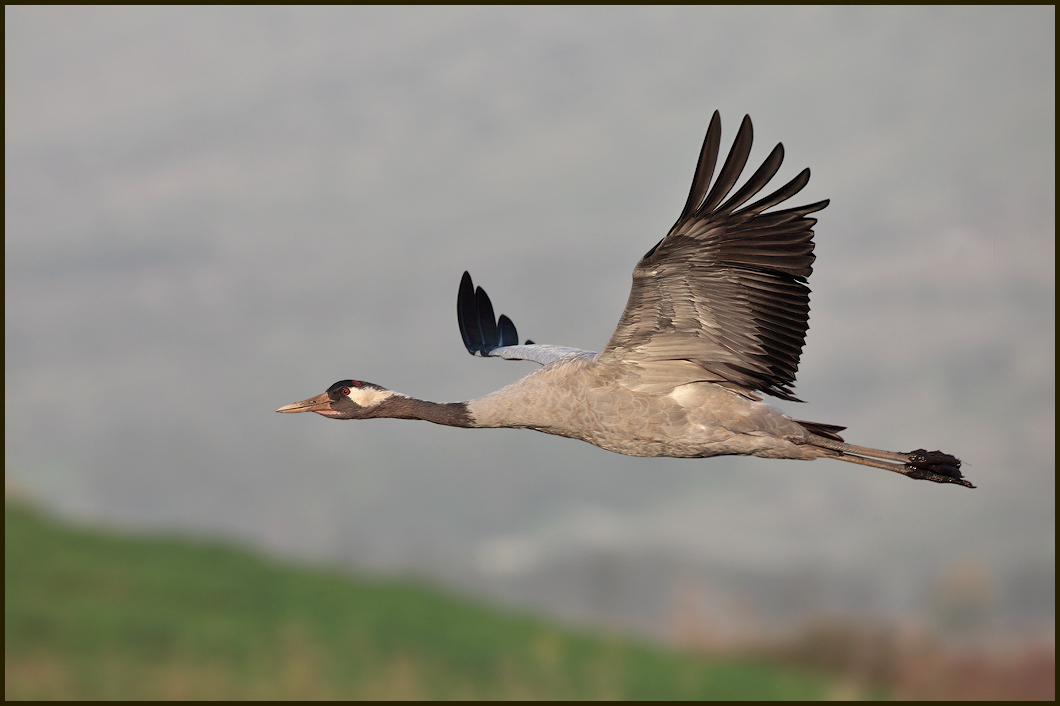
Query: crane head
[{"x": 346, "y": 399}]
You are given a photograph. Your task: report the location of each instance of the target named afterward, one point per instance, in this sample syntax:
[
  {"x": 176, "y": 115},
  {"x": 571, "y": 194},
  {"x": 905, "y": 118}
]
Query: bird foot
[{"x": 935, "y": 466}]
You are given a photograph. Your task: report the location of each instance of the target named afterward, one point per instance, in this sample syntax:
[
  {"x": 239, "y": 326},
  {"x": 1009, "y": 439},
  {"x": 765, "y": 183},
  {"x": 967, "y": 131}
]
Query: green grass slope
[{"x": 91, "y": 615}]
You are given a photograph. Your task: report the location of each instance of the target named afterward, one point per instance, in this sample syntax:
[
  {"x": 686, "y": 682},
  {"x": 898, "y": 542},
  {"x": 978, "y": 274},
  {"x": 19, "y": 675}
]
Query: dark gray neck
[{"x": 453, "y": 414}]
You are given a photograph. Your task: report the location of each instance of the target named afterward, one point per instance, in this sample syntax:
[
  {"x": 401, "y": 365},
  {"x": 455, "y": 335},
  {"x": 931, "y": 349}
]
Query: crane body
[{"x": 716, "y": 317}]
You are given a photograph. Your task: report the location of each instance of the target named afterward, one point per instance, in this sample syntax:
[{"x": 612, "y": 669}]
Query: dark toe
[
  {"x": 936, "y": 466},
  {"x": 936, "y": 461}
]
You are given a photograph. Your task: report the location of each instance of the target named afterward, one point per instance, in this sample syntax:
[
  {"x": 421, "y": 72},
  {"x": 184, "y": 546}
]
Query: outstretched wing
[
  {"x": 726, "y": 288},
  {"x": 489, "y": 337}
]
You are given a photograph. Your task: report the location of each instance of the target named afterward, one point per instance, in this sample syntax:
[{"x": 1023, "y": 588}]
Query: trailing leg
[{"x": 935, "y": 466}]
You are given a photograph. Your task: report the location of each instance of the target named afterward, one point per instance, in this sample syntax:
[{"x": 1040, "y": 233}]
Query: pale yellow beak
[{"x": 320, "y": 404}]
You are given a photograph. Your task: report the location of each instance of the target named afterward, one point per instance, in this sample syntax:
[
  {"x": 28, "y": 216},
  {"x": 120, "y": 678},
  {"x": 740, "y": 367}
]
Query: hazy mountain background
[{"x": 212, "y": 212}]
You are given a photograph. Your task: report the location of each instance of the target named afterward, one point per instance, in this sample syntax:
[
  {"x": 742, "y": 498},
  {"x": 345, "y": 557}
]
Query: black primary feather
[
  {"x": 487, "y": 324},
  {"x": 467, "y": 315},
  {"x": 482, "y": 333},
  {"x": 509, "y": 337}
]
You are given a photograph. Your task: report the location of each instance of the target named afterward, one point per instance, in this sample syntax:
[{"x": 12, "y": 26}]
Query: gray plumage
[{"x": 717, "y": 315}]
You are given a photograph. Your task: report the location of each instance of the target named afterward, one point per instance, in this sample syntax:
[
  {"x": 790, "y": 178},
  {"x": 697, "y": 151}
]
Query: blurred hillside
[
  {"x": 96, "y": 614},
  {"x": 92, "y": 614}
]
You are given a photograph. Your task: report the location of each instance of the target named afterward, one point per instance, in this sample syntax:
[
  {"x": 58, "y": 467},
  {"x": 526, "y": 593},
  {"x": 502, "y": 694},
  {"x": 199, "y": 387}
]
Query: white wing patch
[{"x": 688, "y": 395}]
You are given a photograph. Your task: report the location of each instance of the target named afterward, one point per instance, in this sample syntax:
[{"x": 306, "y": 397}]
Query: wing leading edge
[{"x": 483, "y": 335}]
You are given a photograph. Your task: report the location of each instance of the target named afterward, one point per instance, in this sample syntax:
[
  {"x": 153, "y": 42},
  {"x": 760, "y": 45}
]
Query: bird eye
[{"x": 345, "y": 390}]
